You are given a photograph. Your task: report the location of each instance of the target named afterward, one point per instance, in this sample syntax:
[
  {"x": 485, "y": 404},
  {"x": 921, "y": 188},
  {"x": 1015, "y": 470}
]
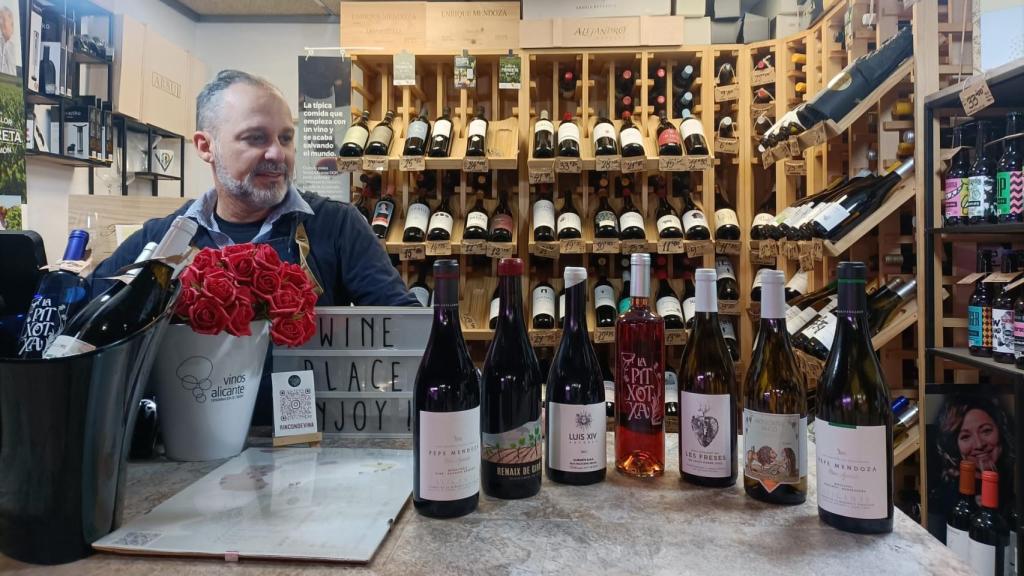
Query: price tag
[
  {"x": 757, "y": 109},
  {"x": 698, "y": 163},
  {"x": 439, "y": 248},
  {"x": 1001, "y": 277},
  {"x": 468, "y": 321},
  {"x": 671, "y": 246},
  {"x": 767, "y": 159},
  {"x": 606, "y": 163},
  {"x": 632, "y": 165},
  {"x": 474, "y": 247},
  {"x": 971, "y": 278},
  {"x": 1013, "y": 285},
  {"x": 762, "y": 77},
  {"x": 541, "y": 175},
  {"x": 793, "y": 144},
  {"x": 604, "y": 335},
  {"x": 500, "y": 249},
  {"x": 789, "y": 250},
  {"x": 375, "y": 163},
  {"x": 976, "y": 96},
  {"x": 806, "y": 262},
  {"x": 412, "y": 252},
  {"x": 568, "y": 165},
  {"x": 727, "y": 145},
  {"x": 606, "y": 246},
  {"x": 727, "y": 93},
  {"x": 74, "y": 266},
  {"x": 729, "y": 307},
  {"x": 572, "y": 246},
  {"x": 474, "y": 164},
  {"x": 817, "y": 134},
  {"x": 796, "y": 168},
  {"x": 633, "y": 246},
  {"x": 671, "y": 164},
  {"x": 818, "y": 249},
  {"x": 404, "y": 69},
  {"x": 545, "y": 338},
  {"x": 754, "y": 311},
  {"x": 727, "y": 247},
  {"x": 695, "y": 248},
  {"x": 675, "y": 337},
  {"x": 545, "y": 249},
  {"x": 412, "y": 164},
  {"x": 350, "y": 164}
]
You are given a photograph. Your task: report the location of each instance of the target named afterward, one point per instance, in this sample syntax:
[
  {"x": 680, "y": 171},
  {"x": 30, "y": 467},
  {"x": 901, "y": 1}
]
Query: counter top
[{"x": 620, "y": 526}]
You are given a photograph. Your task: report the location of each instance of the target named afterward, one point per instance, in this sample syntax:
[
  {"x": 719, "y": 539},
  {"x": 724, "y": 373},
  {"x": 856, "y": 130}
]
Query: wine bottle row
[
  {"x": 989, "y": 189},
  {"x": 421, "y": 138},
  {"x": 976, "y": 529},
  {"x": 664, "y": 101},
  {"x": 482, "y": 429},
  {"x": 564, "y": 141},
  {"x": 995, "y": 310}
]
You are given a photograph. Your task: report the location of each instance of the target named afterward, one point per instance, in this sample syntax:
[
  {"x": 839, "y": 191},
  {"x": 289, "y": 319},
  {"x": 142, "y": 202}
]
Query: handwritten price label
[
  {"x": 604, "y": 335},
  {"x": 412, "y": 164},
  {"x": 818, "y": 249},
  {"x": 754, "y": 311},
  {"x": 545, "y": 249},
  {"x": 568, "y": 165},
  {"x": 633, "y": 246},
  {"x": 675, "y": 337},
  {"x": 572, "y": 246},
  {"x": 474, "y": 164},
  {"x": 767, "y": 159},
  {"x": 468, "y": 321},
  {"x": 415, "y": 252},
  {"x": 375, "y": 163},
  {"x": 727, "y": 93},
  {"x": 606, "y": 246},
  {"x": 698, "y": 163},
  {"x": 545, "y": 338},
  {"x": 728, "y": 247},
  {"x": 795, "y": 150},
  {"x": 976, "y": 96},
  {"x": 806, "y": 262},
  {"x": 350, "y": 164},
  {"x": 695, "y": 248},
  {"x": 729, "y": 307},
  {"x": 671, "y": 246},
  {"x": 633, "y": 165},
  {"x": 500, "y": 249},
  {"x": 758, "y": 109},
  {"x": 761, "y": 77},
  {"x": 796, "y": 168},
  {"x": 606, "y": 163},
  {"x": 474, "y": 247},
  {"x": 727, "y": 145},
  {"x": 818, "y": 134},
  {"x": 439, "y": 248},
  {"x": 541, "y": 175},
  {"x": 671, "y": 164}
]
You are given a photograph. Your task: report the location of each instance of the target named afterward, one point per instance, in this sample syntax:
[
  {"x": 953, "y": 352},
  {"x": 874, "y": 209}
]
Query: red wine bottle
[
  {"x": 441, "y": 138},
  {"x": 957, "y": 184},
  {"x": 727, "y": 288},
  {"x": 958, "y": 521},
  {"x": 576, "y": 440},
  {"x": 695, "y": 225},
  {"x": 446, "y": 417},
  {"x": 604, "y": 137},
  {"x": 502, "y": 223},
  {"x": 568, "y": 137},
  {"x": 441, "y": 221},
  {"x": 631, "y": 138},
  {"x": 510, "y": 398},
  {"x": 476, "y": 134},
  {"x": 606, "y": 223},
  {"x": 989, "y": 536},
  {"x": 604, "y": 302},
  {"x": 567, "y": 84},
  {"x": 667, "y": 303},
  {"x": 640, "y": 380},
  {"x": 381, "y": 136},
  {"x": 383, "y": 212},
  {"x": 543, "y": 306},
  {"x": 669, "y": 141},
  {"x": 631, "y": 222},
  {"x": 727, "y": 224},
  {"x": 354, "y": 142},
  {"x": 476, "y": 220}
]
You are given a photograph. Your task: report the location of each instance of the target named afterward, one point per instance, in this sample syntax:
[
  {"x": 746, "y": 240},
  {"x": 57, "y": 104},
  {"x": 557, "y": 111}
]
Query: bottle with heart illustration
[
  {"x": 775, "y": 407},
  {"x": 640, "y": 380},
  {"x": 707, "y": 395}
]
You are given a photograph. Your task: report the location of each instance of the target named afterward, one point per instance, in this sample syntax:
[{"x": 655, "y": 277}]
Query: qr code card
[{"x": 294, "y": 408}]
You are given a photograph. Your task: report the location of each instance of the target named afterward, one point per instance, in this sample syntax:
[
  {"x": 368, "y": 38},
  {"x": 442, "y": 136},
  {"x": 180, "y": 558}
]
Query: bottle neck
[
  {"x": 640, "y": 283},
  {"x": 990, "y": 494},
  {"x": 510, "y": 292},
  {"x": 446, "y": 306},
  {"x": 576, "y": 306},
  {"x": 1013, "y": 126},
  {"x": 851, "y": 311}
]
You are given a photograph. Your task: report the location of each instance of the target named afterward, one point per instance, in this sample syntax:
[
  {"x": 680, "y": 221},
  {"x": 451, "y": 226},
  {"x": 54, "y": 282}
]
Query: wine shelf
[
  {"x": 1006, "y": 229},
  {"x": 903, "y": 193},
  {"x": 963, "y": 356},
  {"x": 905, "y": 318},
  {"x": 908, "y": 445}
]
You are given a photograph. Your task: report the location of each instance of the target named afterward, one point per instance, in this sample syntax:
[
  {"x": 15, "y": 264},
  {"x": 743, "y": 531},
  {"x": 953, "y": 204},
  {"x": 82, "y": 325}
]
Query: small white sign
[{"x": 294, "y": 408}]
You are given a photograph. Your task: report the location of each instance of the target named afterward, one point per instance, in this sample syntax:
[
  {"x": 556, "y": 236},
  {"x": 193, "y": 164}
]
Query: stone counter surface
[{"x": 621, "y": 526}]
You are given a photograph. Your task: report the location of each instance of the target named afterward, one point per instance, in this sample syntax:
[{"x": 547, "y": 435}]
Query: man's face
[{"x": 253, "y": 146}]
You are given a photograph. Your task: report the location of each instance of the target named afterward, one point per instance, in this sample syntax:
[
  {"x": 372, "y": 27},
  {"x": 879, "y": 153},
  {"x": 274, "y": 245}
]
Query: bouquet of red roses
[{"x": 225, "y": 290}]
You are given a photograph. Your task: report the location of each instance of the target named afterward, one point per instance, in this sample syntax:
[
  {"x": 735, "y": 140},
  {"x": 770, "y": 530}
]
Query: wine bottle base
[
  {"x": 1004, "y": 358},
  {"x": 577, "y": 478},
  {"x": 781, "y": 495},
  {"x": 640, "y": 465},
  {"x": 447, "y": 508},
  {"x": 979, "y": 351},
  {"x": 516, "y": 490},
  {"x": 855, "y": 525},
  {"x": 709, "y": 482}
]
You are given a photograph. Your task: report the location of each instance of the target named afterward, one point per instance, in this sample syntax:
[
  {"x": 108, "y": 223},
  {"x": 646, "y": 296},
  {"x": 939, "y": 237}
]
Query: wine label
[
  {"x": 980, "y": 189},
  {"x": 561, "y": 307},
  {"x": 568, "y": 131},
  {"x": 1018, "y": 338},
  {"x": 1002, "y": 331},
  {"x": 824, "y": 329},
  {"x": 543, "y": 301},
  {"x": 798, "y": 282},
  {"x": 449, "y": 454},
  {"x": 786, "y": 213},
  {"x": 668, "y": 306},
  {"x": 728, "y": 332},
  {"x": 705, "y": 445},
  {"x": 501, "y": 222},
  {"x": 477, "y": 127},
  {"x": 775, "y": 448},
  {"x": 45, "y": 319},
  {"x": 381, "y": 133},
  {"x": 1009, "y": 192},
  {"x": 669, "y": 136},
  {"x": 955, "y": 198},
  {"x": 442, "y": 129},
  {"x": 604, "y": 295},
  {"x": 764, "y": 219},
  {"x": 807, "y": 213},
  {"x": 515, "y": 454},
  {"x": 631, "y": 136},
  {"x": 604, "y": 130},
  {"x": 979, "y": 326},
  {"x": 421, "y": 294},
  {"x": 606, "y": 218},
  {"x": 543, "y": 126},
  {"x": 543, "y": 214},
  {"x": 723, "y": 268},
  {"x": 624, "y": 303},
  {"x": 1011, "y": 554},
  {"x": 356, "y": 135},
  {"x": 631, "y": 219},
  {"x": 726, "y": 217},
  {"x": 693, "y": 218},
  {"x": 640, "y": 391},
  {"x": 794, "y": 325},
  {"x": 417, "y": 216},
  {"x": 669, "y": 221},
  {"x": 476, "y": 220},
  {"x": 417, "y": 130},
  {"x": 832, "y": 216},
  {"x": 689, "y": 308},
  {"x": 382, "y": 214},
  {"x": 959, "y": 542},
  {"x": 576, "y": 437},
  {"x": 691, "y": 127},
  {"x": 495, "y": 309},
  {"x": 570, "y": 220},
  {"x": 982, "y": 557},
  {"x": 64, "y": 345},
  {"x": 852, "y": 469},
  {"x": 443, "y": 221}
]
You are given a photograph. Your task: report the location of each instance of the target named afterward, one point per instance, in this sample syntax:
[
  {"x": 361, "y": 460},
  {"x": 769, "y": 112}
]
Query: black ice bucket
[{"x": 65, "y": 433}]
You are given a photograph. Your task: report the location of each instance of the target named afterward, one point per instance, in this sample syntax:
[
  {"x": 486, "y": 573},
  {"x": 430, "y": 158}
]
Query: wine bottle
[
  {"x": 632, "y": 141},
  {"x": 604, "y": 137},
  {"x": 693, "y": 135},
  {"x": 417, "y": 216},
  {"x": 364, "y": 203},
  {"x": 418, "y": 134},
  {"x": 502, "y": 224},
  {"x": 683, "y": 103},
  {"x": 755, "y": 286},
  {"x": 689, "y": 297},
  {"x": 576, "y": 444},
  {"x": 383, "y": 212},
  {"x": 981, "y": 207},
  {"x": 606, "y": 224},
  {"x": 631, "y": 222},
  {"x": 726, "y": 73},
  {"x": 381, "y": 136},
  {"x": 441, "y": 221},
  {"x": 958, "y": 522},
  {"x": 356, "y": 135},
  {"x": 667, "y": 303},
  {"x": 774, "y": 408},
  {"x": 853, "y": 428},
  {"x": 850, "y": 209},
  {"x": 726, "y": 128},
  {"x": 798, "y": 320},
  {"x": 47, "y": 74},
  {"x": 640, "y": 380},
  {"x": 1009, "y": 175},
  {"x": 763, "y": 96},
  {"x": 1002, "y": 314},
  {"x": 127, "y": 307},
  {"x": 659, "y": 75},
  {"x": 604, "y": 302},
  {"x": 561, "y": 307},
  {"x": 543, "y": 133},
  {"x": 822, "y": 323},
  {"x": 707, "y": 396},
  {"x": 764, "y": 226},
  {"x": 989, "y": 535},
  {"x": 957, "y": 183},
  {"x": 59, "y": 296},
  {"x": 880, "y": 314},
  {"x": 727, "y": 224},
  {"x": 510, "y": 398},
  {"x": 543, "y": 306},
  {"x": 441, "y": 138},
  {"x": 821, "y": 335},
  {"x": 446, "y": 419},
  {"x": 695, "y": 225},
  {"x": 568, "y": 137},
  {"x": 476, "y": 134},
  {"x": 669, "y": 141},
  {"x": 567, "y": 84},
  {"x": 979, "y": 310},
  {"x": 420, "y": 289},
  {"x": 732, "y": 345},
  {"x": 727, "y": 288},
  {"x": 797, "y": 286},
  {"x": 476, "y": 220},
  {"x": 625, "y": 82},
  {"x": 683, "y": 78},
  {"x": 1018, "y": 330},
  {"x": 669, "y": 224},
  {"x": 495, "y": 308},
  {"x": 761, "y": 125},
  {"x": 544, "y": 217},
  {"x": 569, "y": 224}
]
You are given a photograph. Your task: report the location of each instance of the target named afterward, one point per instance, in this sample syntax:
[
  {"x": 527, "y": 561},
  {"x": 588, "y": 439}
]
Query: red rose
[
  {"x": 191, "y": 278},
  {"x": 309, "y": 324},
  {"x": 265, "y": 284},
  {"x": 235, "y": 249},
  {"x": 239, "y": 318},
  {"x": 294, "y": 275},
  {"x": 244, "y": 294},
  {"x": 206, "y": 258},
  {"x": 207, "y": 317},
  {"x": 288, "y": 331},
  {"x": 241, "y": 264},
  {"x": 266, "y": 258},
  {"x": 186, "y": 299},
  {"x": 309, "y": 301},
  {"x": 220, "y": 287},
  {"x": 286, "y": 302}
]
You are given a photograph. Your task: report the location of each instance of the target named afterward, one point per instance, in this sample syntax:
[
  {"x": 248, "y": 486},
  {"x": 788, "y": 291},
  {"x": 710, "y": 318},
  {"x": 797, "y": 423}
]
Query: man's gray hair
[{"x": 209, "y": 101}]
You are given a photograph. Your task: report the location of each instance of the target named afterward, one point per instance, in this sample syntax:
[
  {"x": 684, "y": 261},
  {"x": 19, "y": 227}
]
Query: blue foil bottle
[{"x": 59, "y": 296}]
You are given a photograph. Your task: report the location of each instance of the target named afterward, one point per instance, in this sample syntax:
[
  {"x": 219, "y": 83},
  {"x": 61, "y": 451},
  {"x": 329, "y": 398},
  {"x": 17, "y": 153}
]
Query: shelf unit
[{"x": 125, "y": 124}]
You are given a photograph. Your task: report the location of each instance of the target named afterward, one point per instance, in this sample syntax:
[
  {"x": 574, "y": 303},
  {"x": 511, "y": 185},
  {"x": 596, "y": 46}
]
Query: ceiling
[{"x": 257, "y": 10}]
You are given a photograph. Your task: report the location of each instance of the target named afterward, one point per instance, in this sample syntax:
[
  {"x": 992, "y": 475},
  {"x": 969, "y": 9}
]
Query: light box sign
[{"x": 364, "y": 363}]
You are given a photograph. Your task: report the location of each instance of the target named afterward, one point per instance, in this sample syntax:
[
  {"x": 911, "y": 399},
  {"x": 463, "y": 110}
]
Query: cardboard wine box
[{"x": 541, "y": 9}]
